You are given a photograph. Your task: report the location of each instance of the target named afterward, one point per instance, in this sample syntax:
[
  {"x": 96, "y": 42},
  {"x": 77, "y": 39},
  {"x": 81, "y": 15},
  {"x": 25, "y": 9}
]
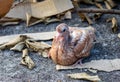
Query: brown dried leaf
[
  {"x": 93, "y": 70},
  {"x": 59, "y": 80},
  {"x": 42, "y": 9},
  {"x": 26, "y": 60},
  {"x": 84, "y": 76},
  {"x": 6, "y": 19},
  {"x": 75, "y": 3},
  {"x": 114, "y": 24},
  {"x": 111, "y": 3},
  {"x": 41, "y": 47},
  {"x": 31, "y": 0},
  {"x": 101, "y": 65},
  {"x": 68, "y": 15},
  {"x": 87, "y": 1},
  {"x": 119, "y": 35},
  {"x": 9, "y": 23},
  {"x": 99, "y": 0},
  {"x": 18, "y": 47},
  {"x": 30, "y": 20},
  {"x": 50, "y": 20},
  {"x": 109, "y": 20},
  {"x": 44, "y": 53},
  {"x": 13, "y": 42},
  {"x": 37, "y": 46},
  {"x": 83, "y": 16},
  {"x": 98, "y": 15},
  {"x": 37, "y": 36},
  {"x": 107, "y": 5},
  {"x": 88, "y": 19}
]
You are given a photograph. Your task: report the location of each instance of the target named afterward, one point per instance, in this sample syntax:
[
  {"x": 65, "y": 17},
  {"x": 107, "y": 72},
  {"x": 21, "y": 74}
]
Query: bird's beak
[{"x": 58, "y": 35}]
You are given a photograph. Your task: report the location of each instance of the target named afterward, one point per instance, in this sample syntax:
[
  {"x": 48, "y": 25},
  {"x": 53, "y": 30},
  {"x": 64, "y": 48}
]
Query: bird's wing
[{"x": 82, "y": 39}]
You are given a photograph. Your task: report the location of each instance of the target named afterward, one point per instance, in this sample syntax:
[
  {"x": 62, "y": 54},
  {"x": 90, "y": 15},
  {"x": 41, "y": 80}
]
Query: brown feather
[{"x": 72, "y": 44}]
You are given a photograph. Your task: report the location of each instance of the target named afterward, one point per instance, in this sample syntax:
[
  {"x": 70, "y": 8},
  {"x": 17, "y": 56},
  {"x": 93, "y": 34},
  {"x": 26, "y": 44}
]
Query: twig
[
  {"x": 94, "y": 10},
  {"x": 82, "y": 15}
]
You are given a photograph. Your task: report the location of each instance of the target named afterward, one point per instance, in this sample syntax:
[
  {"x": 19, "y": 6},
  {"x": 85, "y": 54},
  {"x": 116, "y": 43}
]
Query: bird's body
[
  {"x": 71, "y": 44},
  {"x": 5, "y": 6}
]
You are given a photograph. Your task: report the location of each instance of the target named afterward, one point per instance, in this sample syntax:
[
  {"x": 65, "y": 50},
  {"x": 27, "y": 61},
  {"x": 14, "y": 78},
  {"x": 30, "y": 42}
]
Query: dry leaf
[
  {"x": 41, "y": 47},
  {"x": 9, "y": 23},
  {"x": 98, "y": 15},
  {"x": 84, "y": 76},
  {"x": 59, "y": 80},
  {"x": 109, "y": 4},
  {"x": 38, "y": 11},
  {"x": 87, "y": 1},
  {"x": 50, "y": 20},
  {"x": 6, "y": 19},
  {"x": 68, "y": 15},
  {"x": 36, "y": 36},
  {"x": 99, "y": 0},
  {"x": 31, "y": 0},
  {"x": 30, "y": 20},
  {"x": 114, "y": 24},
  {"x": 44, "y": 53},
  {"x": 88, "y": 19},
  {"x": 109, "y": 20},
  {"x": 112, "y": 3},
  {"x": 13, "y": 42},
  {"x": 42, "y": 9},
  {"x": 26, "y": 60},
  {"x": 18, "y": 47},
  {"x": 101, "y": 65},
  {"x": 83, "y": 16},
  {"x": 119, "y": 35},
  {"x": 92, "y": 70},
  {"x": 24, "y": 1},
  {"x": 36, "y": 46}
]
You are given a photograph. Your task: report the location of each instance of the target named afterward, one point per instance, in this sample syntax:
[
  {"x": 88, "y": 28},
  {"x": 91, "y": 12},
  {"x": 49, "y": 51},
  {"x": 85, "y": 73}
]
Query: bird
[
  {"x": 5, "y": 6},
  {"x": 71, "y": 44}
]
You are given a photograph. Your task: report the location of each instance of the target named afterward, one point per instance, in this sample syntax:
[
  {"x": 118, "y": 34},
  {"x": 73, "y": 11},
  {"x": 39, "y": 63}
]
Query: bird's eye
[{"x": 63, "y": 30}]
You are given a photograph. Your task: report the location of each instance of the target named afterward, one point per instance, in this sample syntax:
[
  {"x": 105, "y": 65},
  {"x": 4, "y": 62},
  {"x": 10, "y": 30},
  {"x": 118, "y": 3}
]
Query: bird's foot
[{"x": 79, "y": 62}]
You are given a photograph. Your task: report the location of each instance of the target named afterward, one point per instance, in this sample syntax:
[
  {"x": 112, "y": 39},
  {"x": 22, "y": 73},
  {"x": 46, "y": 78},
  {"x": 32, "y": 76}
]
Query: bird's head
[{"x": 62, "y": 31}]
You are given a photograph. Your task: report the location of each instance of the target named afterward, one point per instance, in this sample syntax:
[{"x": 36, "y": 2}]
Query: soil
[{"x": 106, "y": 47}]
